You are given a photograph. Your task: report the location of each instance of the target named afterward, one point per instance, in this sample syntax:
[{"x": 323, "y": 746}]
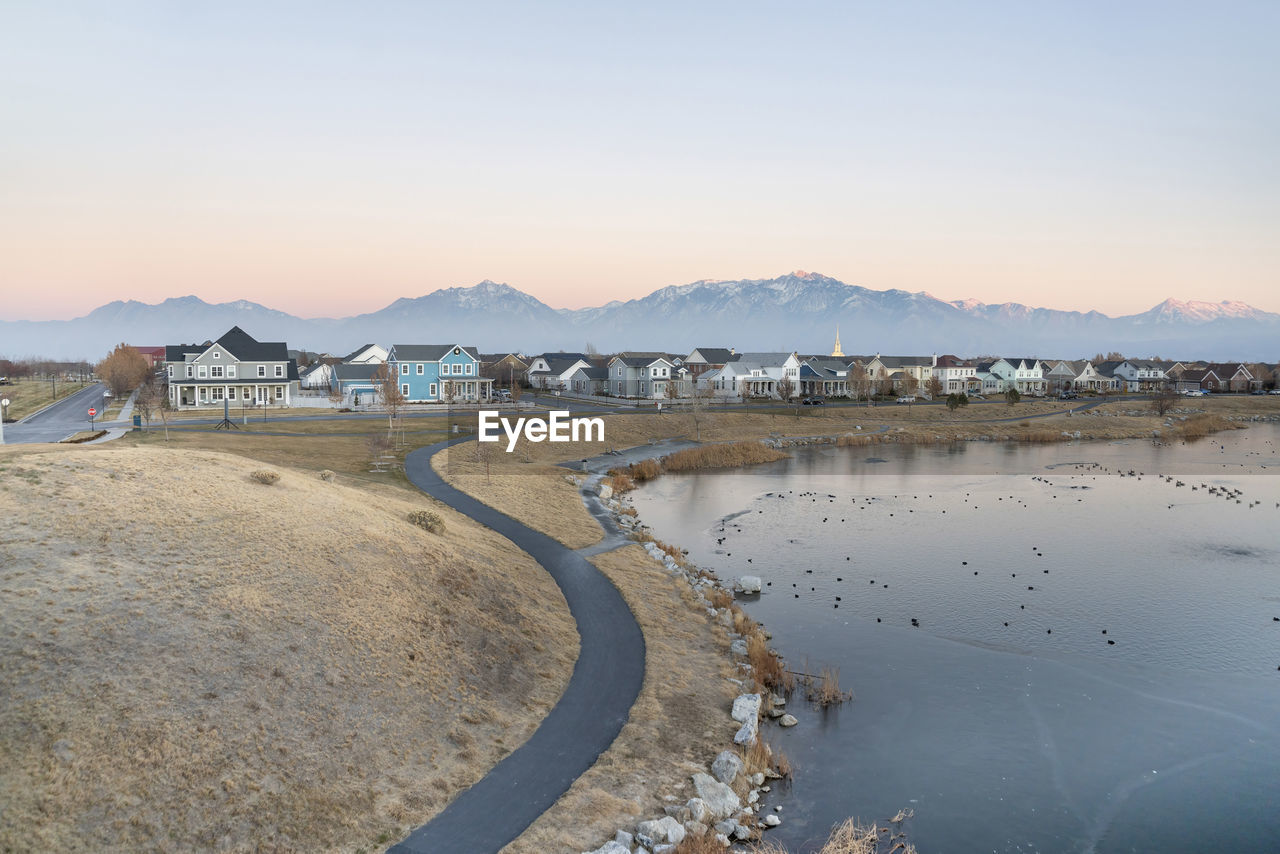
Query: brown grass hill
[{"x": 192, "y": 659}]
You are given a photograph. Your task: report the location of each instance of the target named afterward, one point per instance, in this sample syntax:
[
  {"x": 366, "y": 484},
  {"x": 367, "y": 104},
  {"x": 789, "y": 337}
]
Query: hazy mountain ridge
[{"x": 796, "y": 311}]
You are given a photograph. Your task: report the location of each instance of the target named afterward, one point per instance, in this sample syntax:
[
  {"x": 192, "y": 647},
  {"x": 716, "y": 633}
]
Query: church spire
[{"x": 836, "y": 351}]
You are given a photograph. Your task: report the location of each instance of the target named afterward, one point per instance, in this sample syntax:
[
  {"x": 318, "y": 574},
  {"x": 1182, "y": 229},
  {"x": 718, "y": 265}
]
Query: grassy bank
[
  {"x": 194, "y": 660},
  {"x": 27, "y": 396}
]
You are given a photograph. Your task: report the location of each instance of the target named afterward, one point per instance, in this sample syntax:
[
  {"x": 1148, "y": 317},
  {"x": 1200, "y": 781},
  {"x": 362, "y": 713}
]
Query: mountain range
[{"x": 798, "y": 311}]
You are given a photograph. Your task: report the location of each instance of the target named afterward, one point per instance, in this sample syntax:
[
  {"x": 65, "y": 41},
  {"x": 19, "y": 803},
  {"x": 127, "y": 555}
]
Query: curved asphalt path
[{"x": 605, "y": 683}]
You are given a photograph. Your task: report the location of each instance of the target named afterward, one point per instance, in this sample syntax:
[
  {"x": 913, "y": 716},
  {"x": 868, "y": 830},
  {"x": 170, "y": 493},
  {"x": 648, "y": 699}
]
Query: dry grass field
[
  {"x": 26, "y": 396},
  {"x": 677, "y": 726},
  {"x": 192, "y": 660}
]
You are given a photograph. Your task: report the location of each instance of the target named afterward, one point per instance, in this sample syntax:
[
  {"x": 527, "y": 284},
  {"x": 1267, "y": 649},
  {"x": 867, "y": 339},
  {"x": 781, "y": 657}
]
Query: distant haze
[
  {"x": 322, "y": 158},
  {"x": 797, "y": 311}
]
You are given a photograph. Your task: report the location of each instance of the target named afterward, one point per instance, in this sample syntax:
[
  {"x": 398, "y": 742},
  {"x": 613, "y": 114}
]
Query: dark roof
[
  {"x": 899, "y": 361},
  {"x": 562, "y": 355},
  {"x": 593, "y": 373},
  {"x": 246, "y": 348},
  {"x": 357, "y": 351},
  {"x": 639, "y": 360},
  {"x": 559, "y": 366},
  {"x": 429, "y": 352},
  {"x": 714, "y": 355},
  {"x": 178, "y": 352},
  {"x": 347, "y": 371},
  {"x": 492, "y": 358}
]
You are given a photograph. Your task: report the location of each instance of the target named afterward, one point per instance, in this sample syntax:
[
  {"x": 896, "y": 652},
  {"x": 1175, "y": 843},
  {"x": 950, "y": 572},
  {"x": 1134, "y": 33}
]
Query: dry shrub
[
  {"x": 824, "y": 689},
  {"x": 266, "y": 477},
  {"x": 427, "y": 521},
  {"x": 767, "y": 666},
  {"x": 847, "y": 838},
  {"x": 326, "y": 475},
  {"x": 742, "y": 624},
  {"x": 620, "y": 482},
  {"x": 1041, "y": 436},
  {"x": 756, "y": 757},
  {"x": 1199, "y": 426},
  {"x": 782, "y": 764},
  {"x": 644, "y": 470},
  {"x": 704, "y": 844},
  {"x": 721, "y": 456},
  {"x": 720, "y": 598}
]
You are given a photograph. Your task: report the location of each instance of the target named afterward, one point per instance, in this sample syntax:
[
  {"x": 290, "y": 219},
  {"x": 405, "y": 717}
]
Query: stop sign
[{"x": 92, "y": 412}]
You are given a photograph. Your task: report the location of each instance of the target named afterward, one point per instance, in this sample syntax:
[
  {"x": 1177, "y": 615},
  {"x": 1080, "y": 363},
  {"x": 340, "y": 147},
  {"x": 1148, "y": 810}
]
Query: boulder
[
  {"x": 738, "y": 647},
  {"x": 659, "y": 831},
  {"x": 746, "y": 707},
  {"x": 772, "y": 820},
  {"x": 726, "y": 768},
  {"x": 696, "y": 829},
  {"x": 624, "y": 839},
  {"x": 750, "y": 584},
  {"x": 787, "y": 720},
  {"x": 698, "y": 811},
  {"x": 611, "y": 847},
  {"x": 719, "y": 798},
  {"x": 746, "y": 734},
  {"x": 757, "y": 779},
  {"x": 726, "y": 827},
  {"x": 605, "y": 491}
]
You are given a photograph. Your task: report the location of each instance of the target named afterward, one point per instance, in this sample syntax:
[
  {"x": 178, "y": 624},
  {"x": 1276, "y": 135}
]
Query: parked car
[
  {"x": 503, "y": 394},
  {"x": 1068, "y": 395},
  {"x": 907, "y": 398},
  {"x": 814, "y": 400},
  {"x": 1194, "y": 392},
  {"x": 1257, "y": 391},
  {"x": 1274, "y": 391}
]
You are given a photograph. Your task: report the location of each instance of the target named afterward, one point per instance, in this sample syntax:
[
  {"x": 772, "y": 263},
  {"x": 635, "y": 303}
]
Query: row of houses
[{"x": 238, "y": 369}]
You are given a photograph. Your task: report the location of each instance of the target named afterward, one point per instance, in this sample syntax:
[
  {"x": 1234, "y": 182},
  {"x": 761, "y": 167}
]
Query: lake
[{"x": 1096, "y": 665}]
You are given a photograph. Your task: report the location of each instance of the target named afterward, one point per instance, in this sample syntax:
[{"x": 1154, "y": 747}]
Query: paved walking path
[{"x": 597, "y": 702}]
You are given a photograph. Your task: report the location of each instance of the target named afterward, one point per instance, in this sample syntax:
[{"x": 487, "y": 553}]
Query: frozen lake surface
[{"x": 1097, "y": 662}]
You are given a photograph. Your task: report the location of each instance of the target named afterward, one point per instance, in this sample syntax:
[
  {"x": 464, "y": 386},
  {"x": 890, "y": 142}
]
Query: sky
[{"x": 327, "y": 158}]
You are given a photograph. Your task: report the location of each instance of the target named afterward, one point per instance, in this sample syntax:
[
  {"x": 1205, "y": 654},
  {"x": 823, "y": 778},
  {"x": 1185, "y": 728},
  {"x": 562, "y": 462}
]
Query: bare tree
[
  {"x": 164, "y": 409},
  {"x": 934, "y": 387},
  {"x": 1164, "y": 399},
  {"x": 146, "y": 402},
  {"x": 911, "y": 384},
  {"x": 393, "y": 399},
  {"x": 699, "y": 400},
  {"x": 786, "y": 389}
]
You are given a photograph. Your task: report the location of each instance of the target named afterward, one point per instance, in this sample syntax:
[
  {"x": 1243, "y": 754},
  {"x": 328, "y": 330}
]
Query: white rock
[
  {"x": 726, "y": 768},
  {"x": 698, "y": 810},
  {"x": 746, "y": 707},
  {"x": 611, "y": 847},
  {"x": 787, "y": 720},
  {"x": 772, "y": 820},
  {"x": 750, "y": 584},
  {"x": 719, "y": 798},
  {"x": 625, "y": 839},
  {"x": 757, "y": 779},
  {"x": 665, "y": 829},
  {"x": 746, "y": 734},
  {"x": 738, "y": 647},
  {"x": 605, "y": 491}
]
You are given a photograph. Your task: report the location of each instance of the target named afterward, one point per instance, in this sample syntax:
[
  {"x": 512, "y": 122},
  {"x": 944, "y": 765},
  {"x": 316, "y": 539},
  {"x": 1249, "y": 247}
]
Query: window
[
  {"x": 279, "y": 370},
  {"x": 244, "y": 395},
  {"x": 467, "y": 368},
  {"x": 404, "y": 370},
  {"x": 457, "y": 369},
  {"x": 262, "y": 370},
  {"x": 404, "y": 389},
  {"x": 203, "y": 372},
  {"x": 619, "y": 370},
  {"x": 217, "y": 355},
  {"x": 231, "y": 371},
  {"x": 420, "y": 368},
  {"x": 432, "y": 391},
  {"x": 169, "y": 370},
  {"x": 188, "y": 372},
  {"x": 279, "y": 392},
  {"x": 217, "y": 393},
  {"x": 215, "y": 371}
]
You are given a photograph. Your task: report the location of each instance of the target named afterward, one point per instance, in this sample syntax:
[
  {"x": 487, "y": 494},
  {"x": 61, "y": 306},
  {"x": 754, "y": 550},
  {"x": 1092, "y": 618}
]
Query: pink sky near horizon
[{"x": 1066, "y": 156}]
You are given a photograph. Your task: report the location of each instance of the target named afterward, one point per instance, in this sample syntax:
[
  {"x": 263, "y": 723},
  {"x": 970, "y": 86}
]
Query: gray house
[{"x": 236, "y": 369}]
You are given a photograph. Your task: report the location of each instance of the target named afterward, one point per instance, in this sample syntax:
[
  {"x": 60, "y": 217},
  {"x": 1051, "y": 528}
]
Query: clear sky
[{"x": 327, "y": 158}]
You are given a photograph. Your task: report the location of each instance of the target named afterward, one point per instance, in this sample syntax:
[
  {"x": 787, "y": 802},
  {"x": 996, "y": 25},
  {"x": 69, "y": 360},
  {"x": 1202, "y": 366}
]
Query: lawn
[{"x": 26, "y": 396}]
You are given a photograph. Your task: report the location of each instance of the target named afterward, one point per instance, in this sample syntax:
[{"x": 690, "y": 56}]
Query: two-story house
[
  {"x": 646, "y": 375},
  {"x": 439, "y": 373},
  {"x": 553, "y": 370},
  {"x": 236, "y": 369},
  {"x": 1140, "y": 374},
  {"x": 753, "y": 375},
  {"x": 907, "y": 373},
  {"x": 824, "y": 375},
  {"x": 956, "y": 375},
  {"x": 705, "y": 359}
]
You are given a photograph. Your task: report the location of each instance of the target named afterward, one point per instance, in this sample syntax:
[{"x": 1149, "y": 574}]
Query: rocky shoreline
[{"x": 727, "y": 804}]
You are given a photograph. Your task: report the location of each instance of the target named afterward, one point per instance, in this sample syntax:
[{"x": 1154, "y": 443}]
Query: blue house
[{"x": 439, "y": 373}]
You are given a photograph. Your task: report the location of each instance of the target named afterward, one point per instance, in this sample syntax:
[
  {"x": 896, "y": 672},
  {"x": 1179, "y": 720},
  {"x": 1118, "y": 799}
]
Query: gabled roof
[
  {"x": 428, "y": 352},
  {"x": 246, "y": 348},
  {"x": 357, "y": 351},
  {"x": 1226, "y": 370},
  {"x": 359, "y": 371},
  {"x": 642, "y": 360},
  {"x": 559, "y": 367},
  {"x": 1029, "y": 361},
  {"x": 178, "y": 352},
  {"x": 562, "y": 355},
  {"x": 713, "y": 355},
  {"x": 904, "y": 361},
  {"x": 493, "y": 358},
  {"x": 950, "y": 361},
  {"x": 593, "y": 373}
]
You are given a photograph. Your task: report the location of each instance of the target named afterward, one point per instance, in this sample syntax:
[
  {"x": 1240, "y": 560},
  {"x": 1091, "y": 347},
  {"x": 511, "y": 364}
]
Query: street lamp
[{"x": 4, "y": 410}]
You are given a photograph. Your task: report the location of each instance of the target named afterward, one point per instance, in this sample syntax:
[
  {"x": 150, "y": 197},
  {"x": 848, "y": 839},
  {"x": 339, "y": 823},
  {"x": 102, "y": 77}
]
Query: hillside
[{"x": 192, "y": 660}]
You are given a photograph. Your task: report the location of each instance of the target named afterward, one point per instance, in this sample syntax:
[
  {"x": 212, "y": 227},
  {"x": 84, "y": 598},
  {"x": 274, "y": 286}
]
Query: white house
[
  {"x": 554, "y": 370},
  {"x": 647, "y": 375},
  {"x": 753, "y": 375}
]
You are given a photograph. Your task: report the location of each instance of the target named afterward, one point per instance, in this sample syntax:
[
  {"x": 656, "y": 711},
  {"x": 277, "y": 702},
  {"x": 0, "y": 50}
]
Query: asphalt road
[
  {"x": 67, "y": 416},
  {"x": 592, "y": 711}
]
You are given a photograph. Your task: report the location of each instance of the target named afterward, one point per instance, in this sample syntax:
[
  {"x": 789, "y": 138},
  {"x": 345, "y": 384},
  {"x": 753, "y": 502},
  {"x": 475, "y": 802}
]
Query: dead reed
[
  {"x": 721, "y": 456},
  {"x": 823, "y": 690}
]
